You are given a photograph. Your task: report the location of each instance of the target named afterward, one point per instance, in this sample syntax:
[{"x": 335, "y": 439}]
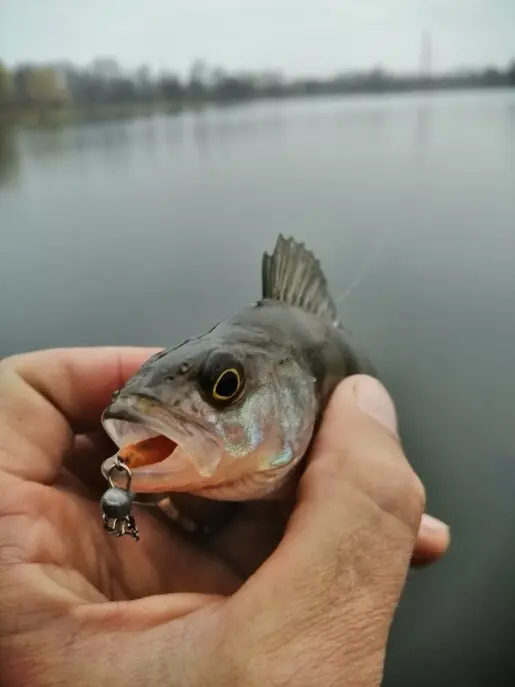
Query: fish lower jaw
[
  {"x": 231, "y": 485},
  {"x": 249, "y": 487},
  {"x": 179, "y": 474},
  {"x": 160, "y": 464}
]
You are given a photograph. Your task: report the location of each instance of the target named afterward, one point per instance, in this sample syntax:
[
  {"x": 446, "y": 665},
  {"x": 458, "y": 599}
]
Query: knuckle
[
  {"x": 10, "y": 368},
  {"x": 417, "y": 493},
  {"x": 410, "y": 498},
  {"x": 403, "y": 495},
  {"x": 11, "y": 362},
  {"x": 17, "y": 364}
]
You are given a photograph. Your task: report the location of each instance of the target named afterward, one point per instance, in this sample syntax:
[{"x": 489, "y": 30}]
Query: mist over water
[{"x": 150, "y": 230}]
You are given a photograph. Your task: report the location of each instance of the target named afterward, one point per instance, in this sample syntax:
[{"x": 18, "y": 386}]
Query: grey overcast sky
[{"x": 300, "y": 37}]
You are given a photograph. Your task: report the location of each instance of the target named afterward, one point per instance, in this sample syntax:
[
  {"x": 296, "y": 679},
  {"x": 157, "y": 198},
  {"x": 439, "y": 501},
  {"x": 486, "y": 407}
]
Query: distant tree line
[{"x": 105, "y": 83}]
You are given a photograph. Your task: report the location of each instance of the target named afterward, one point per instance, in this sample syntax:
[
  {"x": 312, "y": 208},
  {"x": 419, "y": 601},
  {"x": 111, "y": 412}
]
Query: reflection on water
[
  {"x": 510, "y": 130},
  {"x": 9, "y": 156},
  {"x": 422, "y": 131},
  {"x": 148, "y": 231}
]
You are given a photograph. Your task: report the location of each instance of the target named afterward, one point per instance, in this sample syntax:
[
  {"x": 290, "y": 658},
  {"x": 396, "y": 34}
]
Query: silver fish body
[{"x": 243, "y": 400}]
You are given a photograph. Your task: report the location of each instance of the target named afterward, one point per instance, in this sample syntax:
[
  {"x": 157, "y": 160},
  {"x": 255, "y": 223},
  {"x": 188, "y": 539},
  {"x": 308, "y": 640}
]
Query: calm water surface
[{"x": 148, "y": 231}]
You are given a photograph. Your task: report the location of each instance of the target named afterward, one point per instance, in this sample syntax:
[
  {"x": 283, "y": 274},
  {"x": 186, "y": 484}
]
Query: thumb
[
  {"x": 348, "y": 545},
  {"x": 371, "y": 398},
  {"x": 357, "y": 466},
  {"x": 433, "y": 537}
]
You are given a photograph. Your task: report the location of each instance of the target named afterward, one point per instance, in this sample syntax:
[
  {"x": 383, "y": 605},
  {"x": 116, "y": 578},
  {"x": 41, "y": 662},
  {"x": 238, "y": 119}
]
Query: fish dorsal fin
[{"x": 292, "y": 275}]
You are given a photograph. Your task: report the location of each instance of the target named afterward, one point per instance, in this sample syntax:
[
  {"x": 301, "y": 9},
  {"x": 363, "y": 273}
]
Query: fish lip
[
  {"x": 123, "y": 413},
  {"x": 158, "y": 419}
]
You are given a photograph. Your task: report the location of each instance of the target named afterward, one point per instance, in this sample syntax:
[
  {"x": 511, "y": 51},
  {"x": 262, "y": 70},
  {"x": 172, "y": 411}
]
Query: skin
[{"x": 308, "y": 602}]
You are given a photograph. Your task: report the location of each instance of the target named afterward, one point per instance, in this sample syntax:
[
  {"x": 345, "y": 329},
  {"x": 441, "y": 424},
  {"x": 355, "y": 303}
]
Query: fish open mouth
[
  {"x": 139, "y": 446},
  {"x": 163, "y": 451}
]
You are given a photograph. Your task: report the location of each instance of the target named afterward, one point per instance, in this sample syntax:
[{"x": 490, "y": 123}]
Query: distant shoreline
[{"x": 52, "y": 116}]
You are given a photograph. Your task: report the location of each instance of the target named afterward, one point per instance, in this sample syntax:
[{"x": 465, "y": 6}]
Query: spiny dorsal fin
[{"x": 292, "y": 274}]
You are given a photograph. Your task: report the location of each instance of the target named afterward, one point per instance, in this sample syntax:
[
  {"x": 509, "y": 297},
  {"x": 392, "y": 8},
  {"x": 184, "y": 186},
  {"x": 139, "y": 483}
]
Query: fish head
[{"x": 220, "y": 419}]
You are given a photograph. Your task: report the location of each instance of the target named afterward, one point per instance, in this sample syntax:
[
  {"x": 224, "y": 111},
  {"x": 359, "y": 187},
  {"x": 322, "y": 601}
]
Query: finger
[
  {"x": 46, "y": 397},
  {"x": 432, "y": 543},
  {"x": 251, "y": 537},
  {"x": 85, "y": 459},
  {"x": 353, "y": 531}
]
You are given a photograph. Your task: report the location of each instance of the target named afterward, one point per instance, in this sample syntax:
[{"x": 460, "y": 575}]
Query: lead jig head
[{"x": 116, "y": 504}]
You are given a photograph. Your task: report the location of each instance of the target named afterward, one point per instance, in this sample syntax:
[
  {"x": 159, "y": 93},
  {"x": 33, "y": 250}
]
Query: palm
[{"x": 69, "y": 536}]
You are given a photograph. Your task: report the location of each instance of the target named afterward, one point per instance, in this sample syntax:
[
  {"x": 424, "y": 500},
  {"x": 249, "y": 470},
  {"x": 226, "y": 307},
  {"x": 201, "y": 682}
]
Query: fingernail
[
  {"x": 373, "y": 399},
  {"x": 431, "y": 524}
]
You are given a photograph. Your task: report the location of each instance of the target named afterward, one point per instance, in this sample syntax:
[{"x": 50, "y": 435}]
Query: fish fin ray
[{"x": 293, "y": 275}]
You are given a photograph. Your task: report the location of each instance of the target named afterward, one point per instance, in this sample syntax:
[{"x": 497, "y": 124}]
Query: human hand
[{"x": 252, "y": 605}]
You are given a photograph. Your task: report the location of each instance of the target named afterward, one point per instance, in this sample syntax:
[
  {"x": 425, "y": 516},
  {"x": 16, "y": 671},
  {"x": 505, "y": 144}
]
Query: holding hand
[{"x": 268, "y": 599}]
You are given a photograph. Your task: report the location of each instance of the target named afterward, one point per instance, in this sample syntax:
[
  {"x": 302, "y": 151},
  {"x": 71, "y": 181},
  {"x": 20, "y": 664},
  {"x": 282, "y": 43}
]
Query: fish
[{"x": 229, "y": 414}]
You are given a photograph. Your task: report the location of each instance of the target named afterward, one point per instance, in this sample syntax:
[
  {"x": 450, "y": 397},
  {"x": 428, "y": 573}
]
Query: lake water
[{"x": 145, "y": 232}]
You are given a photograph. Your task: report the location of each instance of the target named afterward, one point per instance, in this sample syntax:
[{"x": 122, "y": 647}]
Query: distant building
[
  {"x": 106, "y": 68},
  {"x": 269, "y": 79},
  {"x": 63, "y": 72},
  {"x": 143, "y": 77}
]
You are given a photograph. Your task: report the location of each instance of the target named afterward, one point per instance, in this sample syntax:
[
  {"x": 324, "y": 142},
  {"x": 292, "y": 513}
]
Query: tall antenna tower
[{"x": 425, "y": 63}]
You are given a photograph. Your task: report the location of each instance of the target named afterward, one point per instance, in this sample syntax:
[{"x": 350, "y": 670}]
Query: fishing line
[
  {"x": 369, "y": 262},
  {"x": 367, "y": 265}
]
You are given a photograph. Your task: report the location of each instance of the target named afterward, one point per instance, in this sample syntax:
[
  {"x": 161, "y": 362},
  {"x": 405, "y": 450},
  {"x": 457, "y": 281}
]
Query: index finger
[{"x": 49, "y": 396}]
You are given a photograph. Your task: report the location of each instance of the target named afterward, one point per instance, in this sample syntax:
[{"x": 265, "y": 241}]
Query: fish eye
[
  {"x": 227, "y": 385},
  {"x": 221, "y": 378}
]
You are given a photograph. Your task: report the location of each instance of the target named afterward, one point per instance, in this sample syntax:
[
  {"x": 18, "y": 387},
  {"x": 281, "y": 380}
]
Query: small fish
[{"x": 229, "y": 414}]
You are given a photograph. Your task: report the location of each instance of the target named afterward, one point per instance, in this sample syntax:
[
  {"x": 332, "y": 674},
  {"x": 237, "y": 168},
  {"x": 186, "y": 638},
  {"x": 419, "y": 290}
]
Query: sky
[{"x": 297, "y": 37}]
